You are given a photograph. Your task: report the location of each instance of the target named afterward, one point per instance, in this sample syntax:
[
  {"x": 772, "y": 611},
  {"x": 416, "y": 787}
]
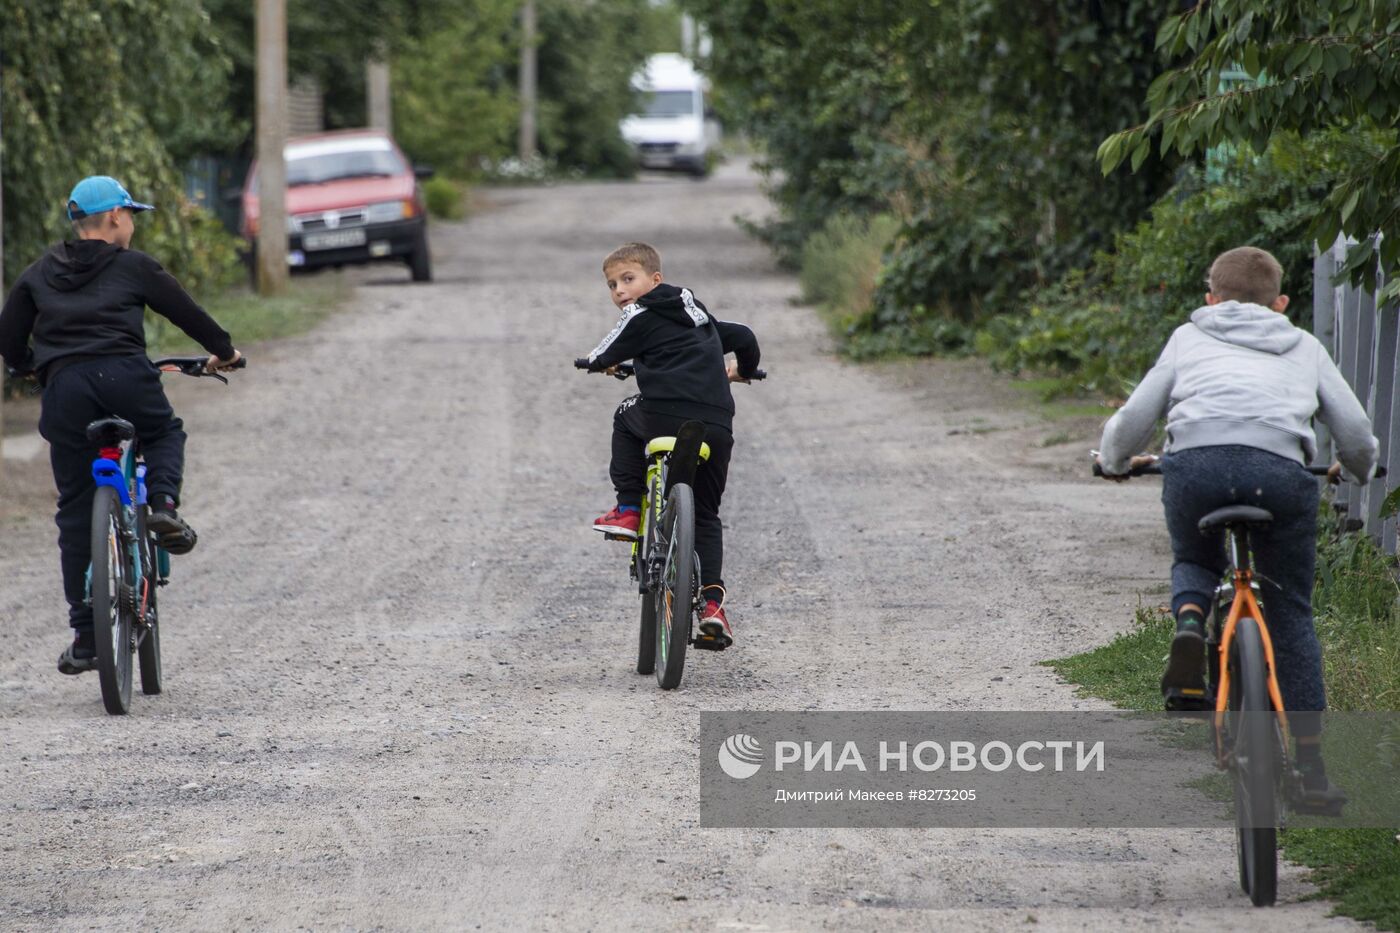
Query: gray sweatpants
[{"x": 1202, "y": 479}]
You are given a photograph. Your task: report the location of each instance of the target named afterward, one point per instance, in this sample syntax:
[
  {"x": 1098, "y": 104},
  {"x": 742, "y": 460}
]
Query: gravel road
[{"x": 399, "y": 665}]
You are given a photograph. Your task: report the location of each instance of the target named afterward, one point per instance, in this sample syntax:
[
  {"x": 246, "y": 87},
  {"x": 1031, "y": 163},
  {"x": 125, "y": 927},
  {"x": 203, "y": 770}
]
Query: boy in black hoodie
[
  {"x": 678, "y": 349},
  {"x": 83, "y": 303}
]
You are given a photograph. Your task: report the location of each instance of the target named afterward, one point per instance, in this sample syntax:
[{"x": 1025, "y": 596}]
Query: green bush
[
  {"x": 1100, "y": 329},
  {"x": 840, "y": 264},
  {"x": 445, "y": 198},
  {"x": 840, "y": 273}
]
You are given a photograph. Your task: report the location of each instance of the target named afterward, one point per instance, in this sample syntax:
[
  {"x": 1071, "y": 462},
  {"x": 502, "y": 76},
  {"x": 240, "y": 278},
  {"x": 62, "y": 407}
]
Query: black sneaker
[
  {"x": 1184, "y": 683},
  {"x": 170, "y": 529},
  {"x": 1317, "y": 795},
  {"x": 79, "y": 656}
]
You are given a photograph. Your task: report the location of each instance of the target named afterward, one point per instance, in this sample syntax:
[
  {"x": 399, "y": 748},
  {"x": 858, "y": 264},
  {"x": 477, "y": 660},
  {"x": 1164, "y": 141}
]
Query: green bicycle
[{"x": 664, "y": 564}]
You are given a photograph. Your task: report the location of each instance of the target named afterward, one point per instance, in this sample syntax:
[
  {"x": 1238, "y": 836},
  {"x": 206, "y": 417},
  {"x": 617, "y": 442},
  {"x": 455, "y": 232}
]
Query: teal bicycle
[{"x": 128, "y": 564}]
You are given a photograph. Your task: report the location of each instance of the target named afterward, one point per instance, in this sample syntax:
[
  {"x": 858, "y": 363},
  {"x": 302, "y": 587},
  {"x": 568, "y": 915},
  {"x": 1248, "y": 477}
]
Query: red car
[{"x": 352, "y": 198}]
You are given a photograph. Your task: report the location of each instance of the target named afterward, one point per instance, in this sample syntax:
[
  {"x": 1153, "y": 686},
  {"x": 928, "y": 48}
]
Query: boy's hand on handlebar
[
  {"x": 1334, "y": 473},
  {"x": 1136, "y": 463},
  {"x": 217, "y": 365},
  {"x": 733, "y": 369}
]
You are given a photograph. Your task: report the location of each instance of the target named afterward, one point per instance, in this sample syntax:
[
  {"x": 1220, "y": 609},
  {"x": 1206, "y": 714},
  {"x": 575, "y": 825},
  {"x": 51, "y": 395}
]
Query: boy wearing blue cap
[{"x": 83, "y": 307}]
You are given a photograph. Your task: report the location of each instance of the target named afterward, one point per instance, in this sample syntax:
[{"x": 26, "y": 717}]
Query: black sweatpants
[
  {"x": 633, "y": 428},
  {"x": 77, "y": 395}
]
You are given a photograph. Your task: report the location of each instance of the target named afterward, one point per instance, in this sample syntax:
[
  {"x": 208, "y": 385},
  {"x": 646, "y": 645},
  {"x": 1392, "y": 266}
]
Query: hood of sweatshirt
[
  {"x": 69, "y": 266},
  {"x": 1248, "y": 325},
  {"x": 675, "y": 304}
]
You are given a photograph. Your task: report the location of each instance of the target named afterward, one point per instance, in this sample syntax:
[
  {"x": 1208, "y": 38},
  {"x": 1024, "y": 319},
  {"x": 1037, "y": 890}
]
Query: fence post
[
  {"x": 1380, "y": 405},
  {"x": 1324, "y": 328},
  {"x": 1348, "y": 321}
]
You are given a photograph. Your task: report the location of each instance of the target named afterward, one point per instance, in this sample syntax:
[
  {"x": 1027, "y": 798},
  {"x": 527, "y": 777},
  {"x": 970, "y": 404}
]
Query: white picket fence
[{"x": 1365, "y": 342}]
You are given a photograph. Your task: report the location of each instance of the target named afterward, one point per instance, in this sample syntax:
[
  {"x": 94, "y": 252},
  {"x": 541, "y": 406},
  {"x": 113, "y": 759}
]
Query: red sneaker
[
  {"x": 715, "y": 625},
  {"x": 619, "y": 524}
]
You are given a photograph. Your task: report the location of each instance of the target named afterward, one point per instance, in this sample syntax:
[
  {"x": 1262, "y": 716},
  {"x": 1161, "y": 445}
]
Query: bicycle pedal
[
  {"x": 1188, "y": 700},
  {"x": 709, "y": 644},
  {"x": 608, "y": 537}
]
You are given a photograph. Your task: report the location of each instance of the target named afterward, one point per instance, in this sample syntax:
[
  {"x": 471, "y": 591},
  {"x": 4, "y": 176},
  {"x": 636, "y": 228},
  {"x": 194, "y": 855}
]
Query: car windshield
[
  {"x": 669, "y": 104},
  {"x": 316, "y": 168}
]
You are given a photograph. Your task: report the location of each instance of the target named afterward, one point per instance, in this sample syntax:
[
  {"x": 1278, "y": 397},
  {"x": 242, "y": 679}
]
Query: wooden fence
[{"x": 1365, "y": 342}]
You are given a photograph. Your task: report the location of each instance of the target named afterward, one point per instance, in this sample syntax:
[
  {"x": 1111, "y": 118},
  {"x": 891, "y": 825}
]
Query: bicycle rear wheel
[
  {"x": 148, "y": 644},
  {"x": 1257, "y": 763},
  {"x": 111, "y": 609},
  {"x": 675, "y": 595}
]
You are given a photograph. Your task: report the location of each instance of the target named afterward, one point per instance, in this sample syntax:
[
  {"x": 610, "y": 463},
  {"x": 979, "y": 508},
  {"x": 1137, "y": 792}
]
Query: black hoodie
[
  {"x": 678, "y": 348},
  {"x": 87, "y": 298}
]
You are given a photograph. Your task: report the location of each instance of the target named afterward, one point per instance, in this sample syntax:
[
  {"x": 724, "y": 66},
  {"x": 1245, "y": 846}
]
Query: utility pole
[
  {"x": 381, "y": 114},
  {"x": 528, "y": 81},
  {"x": 272, "y": 139},
  {"x": 2, "y": 255}
]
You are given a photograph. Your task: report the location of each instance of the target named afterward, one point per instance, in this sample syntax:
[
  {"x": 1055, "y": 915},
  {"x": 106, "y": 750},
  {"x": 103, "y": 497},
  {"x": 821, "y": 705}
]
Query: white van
[{"x": 670, "y": 131}]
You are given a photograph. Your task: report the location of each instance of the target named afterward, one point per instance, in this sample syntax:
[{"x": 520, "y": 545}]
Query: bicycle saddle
[
  {"x": 109, "y": 432},
  {"x": 1246, "y": 515},
  {"x": 662, "y": 445}
]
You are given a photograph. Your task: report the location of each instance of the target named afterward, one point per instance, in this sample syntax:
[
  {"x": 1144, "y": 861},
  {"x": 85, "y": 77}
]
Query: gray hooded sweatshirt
[{"x": 1243, "y": 374}]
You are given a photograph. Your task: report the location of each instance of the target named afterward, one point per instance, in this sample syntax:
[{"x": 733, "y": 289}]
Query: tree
[
  {"x": 1313, "y": 67},
  {"x": 103, "y": 93},
  {"x": 453, "y": 99}
]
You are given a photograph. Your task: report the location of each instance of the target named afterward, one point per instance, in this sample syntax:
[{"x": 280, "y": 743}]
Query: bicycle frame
[
  {"x": 654, "y": 502},
  {"x": 1243, "y": 604},
  {"x": 121, "y": 468}
]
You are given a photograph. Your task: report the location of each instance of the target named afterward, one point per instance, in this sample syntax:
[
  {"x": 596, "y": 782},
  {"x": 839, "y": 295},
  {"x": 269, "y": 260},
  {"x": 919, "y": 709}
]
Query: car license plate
[{"x": 335, "y": 239}]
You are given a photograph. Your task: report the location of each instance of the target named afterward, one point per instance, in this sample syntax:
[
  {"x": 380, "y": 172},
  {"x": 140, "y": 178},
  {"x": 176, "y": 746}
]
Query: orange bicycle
[{"x": 1249, "y": 721}]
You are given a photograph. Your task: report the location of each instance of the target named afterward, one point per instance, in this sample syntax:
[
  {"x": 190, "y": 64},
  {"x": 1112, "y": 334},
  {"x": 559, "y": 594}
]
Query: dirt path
[{"x": 399, "y": 664}]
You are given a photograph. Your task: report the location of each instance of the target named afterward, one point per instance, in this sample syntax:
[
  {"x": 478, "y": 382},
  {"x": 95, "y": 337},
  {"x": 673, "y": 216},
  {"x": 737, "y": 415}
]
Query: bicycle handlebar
[
  {"x": 194, "y": 366},
  {"x": 627, "y": 370},
  {"x": 1155, "y": 469}
]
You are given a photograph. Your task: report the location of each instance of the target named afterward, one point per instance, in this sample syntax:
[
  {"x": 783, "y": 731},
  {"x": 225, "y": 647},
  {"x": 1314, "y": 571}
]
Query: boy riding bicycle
[
  {"x": 678, "y": 349},
  {"x": 1239, "y": 386},
  {"x": 83, "y": 303}
]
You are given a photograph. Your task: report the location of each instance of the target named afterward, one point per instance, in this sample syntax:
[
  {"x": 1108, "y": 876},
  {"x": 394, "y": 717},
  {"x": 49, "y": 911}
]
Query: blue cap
[{"x": 98, "y": 194}]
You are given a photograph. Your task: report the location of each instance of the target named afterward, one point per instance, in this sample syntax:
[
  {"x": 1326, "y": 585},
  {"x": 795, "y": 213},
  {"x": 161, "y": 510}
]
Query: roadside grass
[
  {"x": 251, "y": 318},
  {"x": 1358, "y": 623},
  {"x": 839, "y": 267}
]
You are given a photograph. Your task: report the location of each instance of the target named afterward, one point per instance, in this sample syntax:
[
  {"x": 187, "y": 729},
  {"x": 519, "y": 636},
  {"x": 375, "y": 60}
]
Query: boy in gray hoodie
[{"x": 1239, "y": 386}]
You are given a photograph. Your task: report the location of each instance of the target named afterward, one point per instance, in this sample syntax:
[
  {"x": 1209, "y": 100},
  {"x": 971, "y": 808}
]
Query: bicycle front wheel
[
  {"x": 646, "y": 638},
  {"x": 1257, "y": 764},
  {"x": 148, "y": 637},
  {"x": 111, "y": 609},
  {"x": 675, "y": 594}
]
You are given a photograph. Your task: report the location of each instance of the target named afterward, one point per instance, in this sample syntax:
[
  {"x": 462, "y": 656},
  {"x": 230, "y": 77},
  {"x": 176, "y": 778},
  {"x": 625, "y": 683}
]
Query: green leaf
[
  {"x": 1251, "y": 59},
  {"x": 1140, "y": 154},
  {"x": 1350, "y": 205},
  {"x": 1390, "y": 505}
]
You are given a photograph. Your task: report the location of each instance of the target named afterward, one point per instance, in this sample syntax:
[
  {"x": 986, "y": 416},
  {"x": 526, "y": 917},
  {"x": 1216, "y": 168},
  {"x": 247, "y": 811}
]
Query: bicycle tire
[
  {"x": 643, "y": 557},
  {"x": 148, "y": 649},
  {"x": 646, "y": 638},
  {"x": 111, "y": 617},
  {"x": 1256, "y": 770},
  {"x": 675, "y": 598}
]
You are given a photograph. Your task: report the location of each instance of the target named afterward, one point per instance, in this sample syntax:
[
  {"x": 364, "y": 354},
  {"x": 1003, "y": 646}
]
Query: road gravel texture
[{"x": 399, "y": 665}]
